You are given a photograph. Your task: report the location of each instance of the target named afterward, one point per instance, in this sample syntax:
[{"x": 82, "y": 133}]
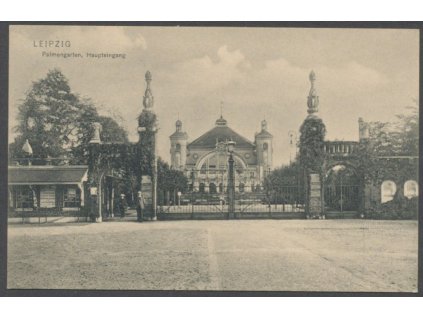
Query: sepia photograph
[{"x": 213, "y": 158}]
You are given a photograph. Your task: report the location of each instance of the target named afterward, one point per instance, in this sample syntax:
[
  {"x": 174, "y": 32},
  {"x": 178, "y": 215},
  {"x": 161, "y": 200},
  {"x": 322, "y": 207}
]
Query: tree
[
  {"x": 283, "y": 176},
  {"x": 407, "y": 131},
  {"x": 58, "y": 122},
  {"x": 111, "y": 132},
  {"x": 389, "y": 139},
  {"x": 286, "y": 182},
  {"x": 170, "y": 180},
  {"x": 400, "y": 137}
]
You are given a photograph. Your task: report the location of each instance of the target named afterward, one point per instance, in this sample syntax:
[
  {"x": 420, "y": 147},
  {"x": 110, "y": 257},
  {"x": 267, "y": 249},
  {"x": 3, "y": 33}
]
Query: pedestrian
[
  {"x": 122, "y": 205},
  {"x": 140, "y": 206}
]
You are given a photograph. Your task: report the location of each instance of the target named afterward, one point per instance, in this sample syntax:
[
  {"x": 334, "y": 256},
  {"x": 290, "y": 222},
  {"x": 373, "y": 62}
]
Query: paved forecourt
[{"x": 289, "y": 255}]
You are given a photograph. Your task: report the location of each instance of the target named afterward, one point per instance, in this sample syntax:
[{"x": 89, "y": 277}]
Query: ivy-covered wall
[
  {"x": 399, "y": 170},
  {"x": 371, "y": 168}
]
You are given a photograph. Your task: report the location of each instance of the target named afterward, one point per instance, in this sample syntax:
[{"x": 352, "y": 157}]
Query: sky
[{"x": 255, "y": 73}]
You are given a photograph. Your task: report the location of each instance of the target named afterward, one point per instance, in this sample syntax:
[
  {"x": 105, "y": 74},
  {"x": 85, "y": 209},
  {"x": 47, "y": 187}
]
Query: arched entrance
[{"x": 342, "y": 189}]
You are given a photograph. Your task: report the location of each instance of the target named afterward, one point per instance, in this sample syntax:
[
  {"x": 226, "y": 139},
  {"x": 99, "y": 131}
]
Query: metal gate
[
  {"x": 194, "y": 202},
  {"x": 282, "y": 199},
  {"x": 342, "y": 198}
]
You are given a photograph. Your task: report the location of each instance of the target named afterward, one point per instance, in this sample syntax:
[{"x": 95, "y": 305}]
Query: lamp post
[
  {"x": 154, "y": 194},
  {"x": 100, "y": 198},
  {"x": 342, "y": 208},
  {"x": 292, "y": 137},
  {"x": 231, "y": 179}
]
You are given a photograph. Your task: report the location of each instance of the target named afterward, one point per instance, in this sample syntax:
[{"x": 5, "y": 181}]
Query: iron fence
[{"x": 284, "y": 199}]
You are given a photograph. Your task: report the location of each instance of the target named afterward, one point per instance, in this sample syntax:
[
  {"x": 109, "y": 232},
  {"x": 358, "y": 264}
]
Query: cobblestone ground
[{"x": 287, "y": 255}]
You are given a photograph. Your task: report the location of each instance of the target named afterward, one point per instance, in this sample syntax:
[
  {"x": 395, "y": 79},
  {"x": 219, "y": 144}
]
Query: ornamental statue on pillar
[
  {"x": 312, "y": 135},
  {"x": 146, "y": 150},
  {"x": 313, "y": 98}
]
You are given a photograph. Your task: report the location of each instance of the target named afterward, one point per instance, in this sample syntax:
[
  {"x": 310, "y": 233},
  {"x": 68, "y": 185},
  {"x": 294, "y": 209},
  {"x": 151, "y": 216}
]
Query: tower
[
  {"x": 264, "y": 148},
  {"x": 178, "y": 147},
  {"x": 363, "y": 130}
]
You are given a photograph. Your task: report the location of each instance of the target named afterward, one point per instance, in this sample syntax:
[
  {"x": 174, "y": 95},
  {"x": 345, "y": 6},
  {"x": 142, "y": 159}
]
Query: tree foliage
[
  {"x": 386, "y": 141},
  {"x": 170, "y": 179},
  {"x": 284, "y": 176},
  {"x": 58, "y": 122},
  {"x": 400, "y": 137},
  {"x": 407, "y": 134}
]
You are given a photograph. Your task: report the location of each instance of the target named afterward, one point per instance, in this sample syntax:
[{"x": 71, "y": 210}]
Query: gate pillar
[
  {"x": 147, "y": 147},
  {"x": 315, "y": 197},
  {"x": 312, "y": 153}
]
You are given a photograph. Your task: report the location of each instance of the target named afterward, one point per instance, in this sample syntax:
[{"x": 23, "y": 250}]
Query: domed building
[{"x": 205, "y": 159}]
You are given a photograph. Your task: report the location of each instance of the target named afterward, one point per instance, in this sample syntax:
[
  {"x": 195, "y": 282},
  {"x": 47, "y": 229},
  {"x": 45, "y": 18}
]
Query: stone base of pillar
[{"x": 315, "y": 209}]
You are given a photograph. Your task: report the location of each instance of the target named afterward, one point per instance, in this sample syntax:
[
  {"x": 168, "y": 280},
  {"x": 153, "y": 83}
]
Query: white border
[
  {"x": 212, "y": 307},
  {"x": 211, "y": 10}
]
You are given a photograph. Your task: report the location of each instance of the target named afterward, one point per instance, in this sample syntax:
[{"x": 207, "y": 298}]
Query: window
[
  {"x": 212, "y": 188},
  {"x": 265, "y": 146},
  {"x": 178, "y": 147},
  {"x": 221, "y": 187},
  {"x": 411, "y": 189},
  {"x": 177, "y": 159},
  {"x": 24, "y": 198},
  {"x": 241, "y": 187},
  {"x": 202, "y": 188},
  {"x": 71, "y": 198},
  {"x": 203, "y": 169},
  {"x": 48, "y": 197},
  {"x": 388, "y": 190}
]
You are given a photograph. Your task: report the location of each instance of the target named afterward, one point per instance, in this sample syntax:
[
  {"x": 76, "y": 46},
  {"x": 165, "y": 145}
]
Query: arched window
[
  {"x": 178, "y": 159},
  {"x": 212, "y": 188},
  {"x": 411, "y": 189},
  {"x": 388, "y": 190},
  {"x": 221, "y": 187},
  {"x": 202, "y": 187},
  {"x": 178, "y": 147},
  {"x": 265, "y": 146}
]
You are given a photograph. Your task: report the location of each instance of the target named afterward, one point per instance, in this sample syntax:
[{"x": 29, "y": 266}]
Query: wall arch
[
  {"x": 388, "y": 188},
  {"x": 209, "y": 155},
  {"x": 411, "y": 189}
]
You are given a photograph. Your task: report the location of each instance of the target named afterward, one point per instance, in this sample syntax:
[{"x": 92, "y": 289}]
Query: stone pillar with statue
[
  {"x": 146, "y": 150},
  {"x": 312, "y": 135}
]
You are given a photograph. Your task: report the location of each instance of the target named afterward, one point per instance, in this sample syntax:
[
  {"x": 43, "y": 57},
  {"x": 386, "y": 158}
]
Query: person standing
[
  {"x": 122, "y": 205},
  {"x": 140, "y": 207}
]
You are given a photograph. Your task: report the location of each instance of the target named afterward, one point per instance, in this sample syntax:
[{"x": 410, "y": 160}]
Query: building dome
[{"x": 221, "y": 121}]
